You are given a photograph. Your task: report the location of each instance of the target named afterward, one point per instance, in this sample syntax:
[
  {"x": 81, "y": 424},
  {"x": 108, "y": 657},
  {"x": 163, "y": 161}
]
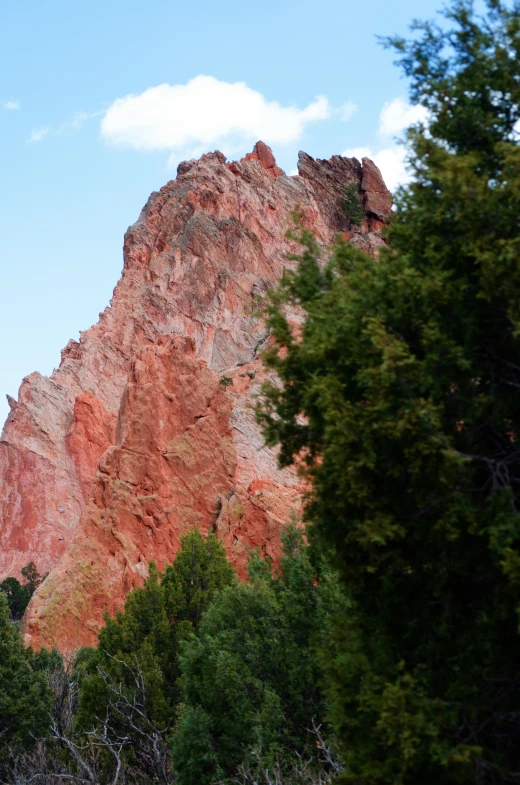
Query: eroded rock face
[{"x": 138, "y": 435}]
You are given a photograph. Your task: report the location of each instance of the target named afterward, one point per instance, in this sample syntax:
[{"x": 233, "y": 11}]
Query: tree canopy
[
  {"x": 145, "y": 637},
  {"x": 250, "y": 678},
  {"x": 18, "y": 594},
  {"x": 400, "y": 400},
  {"x": 25, "y": 699}
]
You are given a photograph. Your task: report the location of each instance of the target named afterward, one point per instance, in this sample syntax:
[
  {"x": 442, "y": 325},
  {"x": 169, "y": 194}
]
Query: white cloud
[
  {"x": 12, "y": 105},
  {"x": 397, "y": 115},
  {"x": 358, "y": 152},
  {"x": 204, "y": 112},
  {"x": 390, "y": 157},
  {"x": 347, "y": 111},
  {"x": 390, "y": 160}
]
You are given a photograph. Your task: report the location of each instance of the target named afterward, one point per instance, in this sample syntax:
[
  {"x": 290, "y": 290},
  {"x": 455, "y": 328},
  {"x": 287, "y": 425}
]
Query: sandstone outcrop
[{"x": 146, "y": 429}]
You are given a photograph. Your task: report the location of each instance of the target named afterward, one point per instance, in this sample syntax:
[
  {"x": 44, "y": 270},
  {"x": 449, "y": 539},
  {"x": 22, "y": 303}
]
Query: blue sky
[{"x": 79, "y": 157}]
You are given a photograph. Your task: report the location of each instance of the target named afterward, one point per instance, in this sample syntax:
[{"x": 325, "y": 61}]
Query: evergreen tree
[
  {"x": 353, "y": 205},
  {"x": 147, "y": 633},
  {"x": 249, "y": 677},
  {"x": 17, "y": 597},
  {"x": 25, "y": 699},
  {"x": 32, "y": 577},
  {"x": 407, "y": 375}
]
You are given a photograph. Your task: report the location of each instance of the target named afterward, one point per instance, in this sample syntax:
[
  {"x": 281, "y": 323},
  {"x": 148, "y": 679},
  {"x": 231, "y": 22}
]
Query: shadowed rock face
[{"x": 134, "y": 439}]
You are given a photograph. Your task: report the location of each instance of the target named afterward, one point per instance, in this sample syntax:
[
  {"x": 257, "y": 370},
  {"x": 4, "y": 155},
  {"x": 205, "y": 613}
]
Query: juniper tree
[
  {"x": 18, "y": 594},
  {"x": 401, "y": 401},
  {"x": 32, "y": 577},
  {"x": 25, "y": 698},
  {"x": 250, "y": 679},
  {"x": 144, "y": 639},
  {"x": 17, "y": 597},
  {"x": 353, "y": 205}
]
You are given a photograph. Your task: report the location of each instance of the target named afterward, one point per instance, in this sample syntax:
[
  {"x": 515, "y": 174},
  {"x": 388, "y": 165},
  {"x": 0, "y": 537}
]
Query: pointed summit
[{"x": 264, "y": 154}]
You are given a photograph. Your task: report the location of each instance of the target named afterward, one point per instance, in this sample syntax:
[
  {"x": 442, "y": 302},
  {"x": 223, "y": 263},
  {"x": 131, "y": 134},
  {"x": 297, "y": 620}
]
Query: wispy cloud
[
  {"x": 38, "y": 134},
  {"x": 347, "y": 111},
  {"x": 76, "y": 121},
  {"x": 11, "y": 105},
  {"x": 74, "y": 124}
]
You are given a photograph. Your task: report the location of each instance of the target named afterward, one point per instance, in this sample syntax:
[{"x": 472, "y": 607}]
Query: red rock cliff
[{"x": 134, "y": 439}]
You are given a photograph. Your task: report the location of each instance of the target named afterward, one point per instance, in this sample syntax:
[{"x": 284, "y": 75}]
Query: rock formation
[{"x": 146, "y": 429}]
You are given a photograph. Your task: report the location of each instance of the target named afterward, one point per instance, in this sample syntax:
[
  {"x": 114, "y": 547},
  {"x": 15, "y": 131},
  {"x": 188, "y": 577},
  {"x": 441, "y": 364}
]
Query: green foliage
[
  {"x": 408, "y": 378},
  {"x": 226, "y": 381},
  {"x": 32, "y": 577},
  {"x": 353, "y": 205},
  {"x": 18, "y": 595},
  {"x": 25, "y": 699},
  {"x": 249, "y": 677},
  {"x": 48, "y": 661},
  {"x": 148, "y": 632}
]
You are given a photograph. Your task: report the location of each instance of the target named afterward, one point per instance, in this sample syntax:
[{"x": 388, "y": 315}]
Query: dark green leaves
[
  {"x": 353, "y": 205},
  {"x": 147, "y": 634},
  {"x": 25, "y": 699},
  {"x": 399, "y": 401},
  {"x": 18, "y": 595},
  {"x": 250, "y": 677}
]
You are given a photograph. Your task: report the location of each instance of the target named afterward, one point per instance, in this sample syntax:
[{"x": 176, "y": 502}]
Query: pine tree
[{"x": 407, "y": 375}]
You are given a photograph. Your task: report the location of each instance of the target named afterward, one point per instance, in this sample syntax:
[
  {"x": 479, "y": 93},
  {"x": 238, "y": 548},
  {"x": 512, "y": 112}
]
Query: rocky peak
[
  {"x": 146, "y": 429},
  {"x": 264, "y": 154},
  {"x": 330, "y": 177}
]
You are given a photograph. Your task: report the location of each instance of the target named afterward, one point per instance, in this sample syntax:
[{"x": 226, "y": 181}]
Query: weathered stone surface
[
  {"x": 378, "y": 199},
  {"x": 263, "y": 153},
  {"x": 329, "y": 179},
  {"x": 92, "y": 503},
  {"x": 174, "y": 467},
  {"x": 92, "y": 432},
  {"x": 40, "y": 497}
]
